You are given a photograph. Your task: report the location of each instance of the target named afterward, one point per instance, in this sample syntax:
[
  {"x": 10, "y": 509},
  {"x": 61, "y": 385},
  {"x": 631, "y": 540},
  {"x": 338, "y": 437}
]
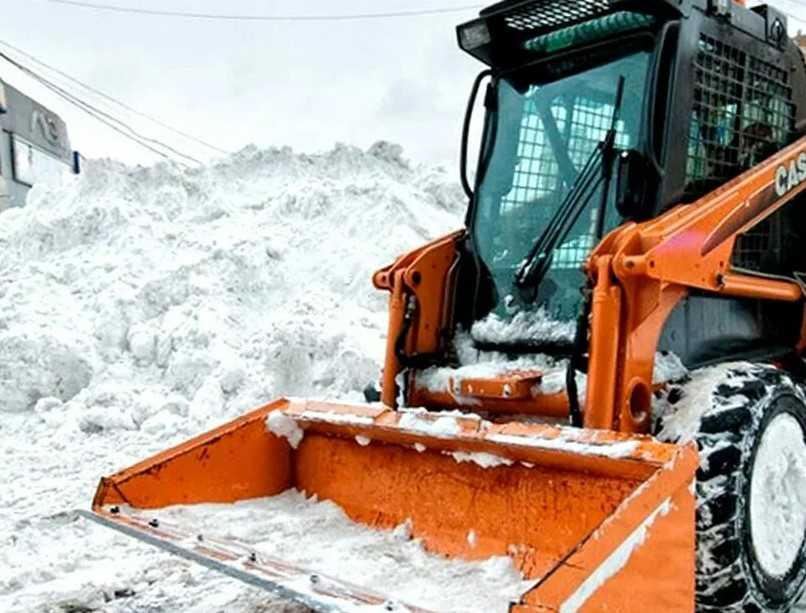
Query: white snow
[
  {"x": 482, "y": 458},
  {"x": 445, "y": 426},
  {"x": 536, "y": 325},
  {"x": 338, "y": 418},
  {"x": 668, "y": 367},
  {"x": 480, "y": 364},
  {"x": 618, "y": 449},
  {"x": 319, "y": 536},
  {"x": 778, "y": 495},
  {"x": 477, "y": 364},
  {"x": 362, "y": 440},
  {"x": 681, "y": 420},
  {"x": 286, "y": 427}
]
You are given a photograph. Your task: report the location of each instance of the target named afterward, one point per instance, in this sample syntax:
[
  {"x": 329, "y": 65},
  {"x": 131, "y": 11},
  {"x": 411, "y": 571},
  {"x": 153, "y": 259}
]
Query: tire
[{"x": 752, "y": 442}]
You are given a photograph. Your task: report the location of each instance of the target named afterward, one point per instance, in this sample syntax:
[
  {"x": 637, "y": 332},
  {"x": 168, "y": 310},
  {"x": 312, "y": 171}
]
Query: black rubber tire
[{"x": 729, "y": 575}]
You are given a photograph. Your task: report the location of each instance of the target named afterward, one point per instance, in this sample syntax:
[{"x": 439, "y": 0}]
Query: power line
[
  {"x": 230, "y": 17},
  {"x": 788, "y": 14},
  {"x": 121, "y": 128},
  {"x": 100, "y": 115},
  {"x": 114, "y": 100},
  {"x": 791, "y": 16}
]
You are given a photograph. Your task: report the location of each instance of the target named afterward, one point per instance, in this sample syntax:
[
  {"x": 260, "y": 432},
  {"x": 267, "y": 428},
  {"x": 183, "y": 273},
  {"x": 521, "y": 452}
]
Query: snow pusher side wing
[{"x": 599, "y": 520}]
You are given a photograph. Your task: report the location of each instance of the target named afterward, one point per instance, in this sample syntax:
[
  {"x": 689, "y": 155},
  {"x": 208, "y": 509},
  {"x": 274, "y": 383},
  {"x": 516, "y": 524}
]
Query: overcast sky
[{"x": 303, "y": 84}]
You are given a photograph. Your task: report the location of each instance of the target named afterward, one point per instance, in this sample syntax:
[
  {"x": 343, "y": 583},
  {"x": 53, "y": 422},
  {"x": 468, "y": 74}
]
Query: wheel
[{"x": 751, "y": 486}]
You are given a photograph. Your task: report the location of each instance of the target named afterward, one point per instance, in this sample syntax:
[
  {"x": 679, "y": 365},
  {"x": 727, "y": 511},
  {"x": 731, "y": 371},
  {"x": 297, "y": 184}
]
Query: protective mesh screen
[
  {"x": 742, "y": 114},
  {"x": 582, "y": 123},
  {"x": 752, "y": 249},
  {"x": 550, "y": 14}
]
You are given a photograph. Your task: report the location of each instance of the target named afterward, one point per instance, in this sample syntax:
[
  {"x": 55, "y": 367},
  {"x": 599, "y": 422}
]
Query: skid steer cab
[{"x": 599, "y": 378}]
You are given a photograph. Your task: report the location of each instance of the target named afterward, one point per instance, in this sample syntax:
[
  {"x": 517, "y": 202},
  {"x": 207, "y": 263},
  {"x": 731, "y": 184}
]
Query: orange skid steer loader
[{"x": 634, "y": 235}]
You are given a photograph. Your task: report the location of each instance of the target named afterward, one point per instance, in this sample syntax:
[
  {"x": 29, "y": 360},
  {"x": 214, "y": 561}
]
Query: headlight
[{"x": 473, "y": 34}]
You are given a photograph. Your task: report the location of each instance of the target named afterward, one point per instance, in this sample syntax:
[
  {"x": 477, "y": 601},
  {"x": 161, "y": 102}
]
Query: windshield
[{"x": 540, "y": 137}]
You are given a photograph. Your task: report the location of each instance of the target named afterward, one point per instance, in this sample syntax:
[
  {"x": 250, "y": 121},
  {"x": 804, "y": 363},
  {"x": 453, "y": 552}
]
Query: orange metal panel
[
  {"x": 596, "y": 452},
  {"x": 547, "y": 405},
  {"x": 650, "y": 536},
  {"x": 236, "y": 461},
  {"x": 659, "y": 571},
  {"x": 535, "y": 514},
  {"x": 517, "y": 384},
  {"x": 513, "y": 392}
]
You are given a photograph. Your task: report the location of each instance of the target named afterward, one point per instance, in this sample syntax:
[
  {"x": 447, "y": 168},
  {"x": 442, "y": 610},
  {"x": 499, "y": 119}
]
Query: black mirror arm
[{"x": 474, "y": 91}]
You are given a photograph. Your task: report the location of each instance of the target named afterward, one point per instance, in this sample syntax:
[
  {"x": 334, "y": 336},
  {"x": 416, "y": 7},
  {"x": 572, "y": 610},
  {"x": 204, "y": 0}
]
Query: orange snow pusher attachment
[{"x": 595, "y": 519}]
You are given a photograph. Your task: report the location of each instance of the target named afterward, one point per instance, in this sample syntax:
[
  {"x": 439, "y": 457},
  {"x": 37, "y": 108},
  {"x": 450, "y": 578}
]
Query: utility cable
[
  {"x": 122, "y": 128},
  {"x": 788, "y": 14},
  {"x": 231, "y": 17},
  {"x": 114, "y": 100}
]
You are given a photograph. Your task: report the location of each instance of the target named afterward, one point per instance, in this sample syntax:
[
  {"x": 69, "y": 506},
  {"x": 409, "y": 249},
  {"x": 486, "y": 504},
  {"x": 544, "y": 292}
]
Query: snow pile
[
  {"x": 223, "y": 285},
  {"x": 139, "y": 306},
  {"x": 535, "y": 325},
  {"x": 318, "y": 535}
]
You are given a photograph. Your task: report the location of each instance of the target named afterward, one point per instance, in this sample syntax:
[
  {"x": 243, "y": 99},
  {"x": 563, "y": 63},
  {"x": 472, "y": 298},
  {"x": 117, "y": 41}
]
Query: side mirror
[{"x": 632, "y": 181}]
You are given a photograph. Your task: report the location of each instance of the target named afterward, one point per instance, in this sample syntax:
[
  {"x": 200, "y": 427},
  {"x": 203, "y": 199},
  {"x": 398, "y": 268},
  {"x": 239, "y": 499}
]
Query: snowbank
[
  {"x": 139, "y": 306},
  {"x": 224, "y": 285}
]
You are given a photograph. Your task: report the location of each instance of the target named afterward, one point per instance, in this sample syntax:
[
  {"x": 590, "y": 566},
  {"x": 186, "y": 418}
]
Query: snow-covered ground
[{"x": 140, "y": 306}]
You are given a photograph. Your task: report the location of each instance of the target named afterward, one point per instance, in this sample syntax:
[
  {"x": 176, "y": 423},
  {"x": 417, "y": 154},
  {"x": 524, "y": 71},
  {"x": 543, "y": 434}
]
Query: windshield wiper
[{"x": 597, "y": 171}]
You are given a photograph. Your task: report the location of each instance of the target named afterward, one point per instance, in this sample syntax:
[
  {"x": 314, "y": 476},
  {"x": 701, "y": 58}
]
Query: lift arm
[{"x": 641, "y": 271}]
